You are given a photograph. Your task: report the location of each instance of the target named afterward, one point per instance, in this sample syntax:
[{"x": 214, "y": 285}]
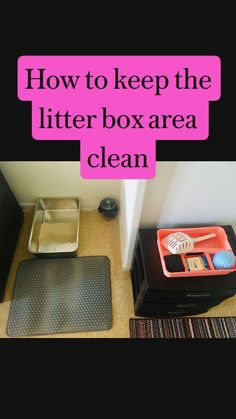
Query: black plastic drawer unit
[
  {"x": 155, "y": 294},
  {"x": 11, "y": 219}
]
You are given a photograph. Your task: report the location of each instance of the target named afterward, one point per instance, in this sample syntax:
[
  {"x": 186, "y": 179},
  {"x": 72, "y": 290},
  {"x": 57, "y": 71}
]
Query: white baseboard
[{"x": 88, "y": 207}]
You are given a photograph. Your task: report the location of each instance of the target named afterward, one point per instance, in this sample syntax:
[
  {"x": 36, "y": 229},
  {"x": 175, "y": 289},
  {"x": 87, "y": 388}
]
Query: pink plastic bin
[{"x": 209, "y": 247}]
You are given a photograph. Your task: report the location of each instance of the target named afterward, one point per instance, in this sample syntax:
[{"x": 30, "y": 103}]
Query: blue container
[{"x": 224, "y": 259}]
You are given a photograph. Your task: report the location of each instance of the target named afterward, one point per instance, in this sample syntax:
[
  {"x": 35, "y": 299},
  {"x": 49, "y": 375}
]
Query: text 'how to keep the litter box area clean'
[{"x": 119, "y": 106}]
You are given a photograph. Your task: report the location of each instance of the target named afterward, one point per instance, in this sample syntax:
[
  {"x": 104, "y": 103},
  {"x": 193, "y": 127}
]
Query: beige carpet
[{"x": 97, "y": 237}]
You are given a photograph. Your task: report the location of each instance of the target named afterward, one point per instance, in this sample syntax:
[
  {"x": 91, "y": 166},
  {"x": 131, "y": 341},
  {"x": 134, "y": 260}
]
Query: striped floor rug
[{"x": 184, "y": 327}]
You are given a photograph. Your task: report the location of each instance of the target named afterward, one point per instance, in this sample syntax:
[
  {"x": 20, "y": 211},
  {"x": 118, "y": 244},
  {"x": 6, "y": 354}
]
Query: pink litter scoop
[{"x": 179, "y": 242}]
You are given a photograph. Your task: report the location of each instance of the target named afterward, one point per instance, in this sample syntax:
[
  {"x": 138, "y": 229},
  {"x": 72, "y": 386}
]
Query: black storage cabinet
[
  {"x": 156, "y": 295},
  {"x": 11, "y": 219}
]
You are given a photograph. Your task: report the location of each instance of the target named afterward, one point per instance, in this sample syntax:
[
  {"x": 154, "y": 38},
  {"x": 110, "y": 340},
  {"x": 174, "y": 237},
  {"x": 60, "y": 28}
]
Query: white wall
[
  {"x": 181, "y": 193},
  {"x": 30, "y": 180},
  {"x": 191, "y": 192},
  {"x": 131, "y": 203}
]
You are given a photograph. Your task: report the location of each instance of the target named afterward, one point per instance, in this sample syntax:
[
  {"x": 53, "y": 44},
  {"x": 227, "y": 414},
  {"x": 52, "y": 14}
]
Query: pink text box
[{"x": 122, "y": 103}]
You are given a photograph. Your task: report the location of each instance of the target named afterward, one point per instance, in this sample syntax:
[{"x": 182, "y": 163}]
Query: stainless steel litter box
[{"x": 55, "y": 227}]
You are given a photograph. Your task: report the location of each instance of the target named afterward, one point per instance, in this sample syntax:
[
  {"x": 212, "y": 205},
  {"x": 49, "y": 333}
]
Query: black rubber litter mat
[{"x": 61, "y": 295}]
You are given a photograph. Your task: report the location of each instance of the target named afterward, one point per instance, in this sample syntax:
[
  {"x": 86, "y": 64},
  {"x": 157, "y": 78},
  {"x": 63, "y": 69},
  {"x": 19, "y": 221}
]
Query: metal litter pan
[{"x": 55, "y": 227}]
